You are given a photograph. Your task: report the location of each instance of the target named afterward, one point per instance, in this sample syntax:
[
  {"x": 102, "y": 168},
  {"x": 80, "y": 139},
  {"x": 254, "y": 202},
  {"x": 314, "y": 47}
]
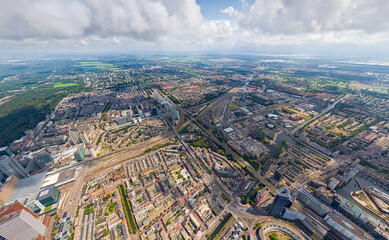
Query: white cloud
[
  {"x": 180, "y": 22},
  {"x": 22, "y": 19},
  {"x": 301, "y": 16},
  {"x": 313, "y": 21},
  {"x": 230, "y": 11},
  {"x": 61, "y": 19}
]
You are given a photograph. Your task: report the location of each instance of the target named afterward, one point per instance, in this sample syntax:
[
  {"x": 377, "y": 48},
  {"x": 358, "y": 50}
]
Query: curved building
[{"x": 273, "y": 226}]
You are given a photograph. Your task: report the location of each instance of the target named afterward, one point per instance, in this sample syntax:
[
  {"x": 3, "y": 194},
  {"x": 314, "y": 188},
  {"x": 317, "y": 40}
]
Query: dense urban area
[{"x": 175, "y": 147}]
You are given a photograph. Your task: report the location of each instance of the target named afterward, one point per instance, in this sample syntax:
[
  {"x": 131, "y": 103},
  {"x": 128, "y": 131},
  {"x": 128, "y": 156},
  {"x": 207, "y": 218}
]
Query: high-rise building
[
  {"x": 9, "y": 166},
  {"x": 20, "y": 225},
  {"x": 278, "y": 175},
  {"x": 282, "y": 200},
  {"x": 7, "y": 188},
  {"x": 79, "y": 154},
  {"x": 48, "y": 196},
  {"x": 92, "y": 152},
  {"x": 4, "y": 151},
  {"x": 333, "y": 183},
  {"x": 74, "y": 136},
  {"x": 84, "y": 138},
  {"x": 44, "y": 160},
  {"x": 16, "y": 206}
]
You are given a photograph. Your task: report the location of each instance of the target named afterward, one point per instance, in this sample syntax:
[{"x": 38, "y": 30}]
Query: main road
[
  {"x": 209, "y": 133},
  {"x": 196, "y": 163},
  {"x": 223, "y": 144}
]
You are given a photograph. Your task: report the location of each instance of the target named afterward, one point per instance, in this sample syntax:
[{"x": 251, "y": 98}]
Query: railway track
[{"x": 99, "y": 164}]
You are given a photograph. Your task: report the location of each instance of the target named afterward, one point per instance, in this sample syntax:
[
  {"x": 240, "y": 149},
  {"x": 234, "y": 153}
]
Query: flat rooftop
[
  {"x": 66, "y": 176},
  {"x": 50, "y": 180},
  {"x": 61, "y": 178},
  {"x": 27, "y": 186},
  {"x": 45, "y": 193},
  {"x": 350, "y": 226}
]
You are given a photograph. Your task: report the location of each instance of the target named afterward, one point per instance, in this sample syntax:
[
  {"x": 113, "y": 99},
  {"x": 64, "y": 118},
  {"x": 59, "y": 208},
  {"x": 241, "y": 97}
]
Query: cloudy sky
[{"x": 191, "y": 24}]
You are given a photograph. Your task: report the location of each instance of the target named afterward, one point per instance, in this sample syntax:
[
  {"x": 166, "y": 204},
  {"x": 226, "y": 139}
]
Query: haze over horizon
[{"x": 345, "y": 27}]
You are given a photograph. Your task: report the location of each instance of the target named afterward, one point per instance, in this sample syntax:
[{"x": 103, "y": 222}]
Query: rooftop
[
  {"x": 66, "y": 176},
  {"x": 284, "y": 192},
  {"x": 345, "y": 226},
  {"x": 45, "y": 193},
  {"x": 27, "y": 186},
  {"x": 10, "y": 216},
  {"x": 50, "y": 180}
]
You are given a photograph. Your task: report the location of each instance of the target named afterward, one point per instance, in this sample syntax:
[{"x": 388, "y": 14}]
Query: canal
[{"x": 352, "y": 186}]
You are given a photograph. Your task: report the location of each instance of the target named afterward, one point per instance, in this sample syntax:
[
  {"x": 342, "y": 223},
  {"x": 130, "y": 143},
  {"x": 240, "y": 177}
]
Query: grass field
[
  {"x": 234, "y": 105},
  {"x": 274, "y": 235},
  {"x": 59, "y": 84},
  {"x": 48, "y": 208},
  {"x": 188, "y": 59},
  {"x": 99, "y": 65}
]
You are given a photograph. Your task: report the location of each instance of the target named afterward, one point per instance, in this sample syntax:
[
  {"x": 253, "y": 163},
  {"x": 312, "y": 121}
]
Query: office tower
[
  {"x": 20, "y": 225},
  {"x": 44, "y": 160},
  {"x": 79, "y": 154},
  {"x": 7, "y": 188},
  {"x": 9, "y": 166},
  {"x": 283, "y": 200},
  {"x": 74, "y": 137},
  {"x": 18, "y": 222},
  {"x": 48, "y": 196},
  {"x": 92, "y": 152},
  {"x": 4, "y": 151}
]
